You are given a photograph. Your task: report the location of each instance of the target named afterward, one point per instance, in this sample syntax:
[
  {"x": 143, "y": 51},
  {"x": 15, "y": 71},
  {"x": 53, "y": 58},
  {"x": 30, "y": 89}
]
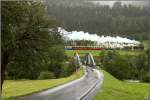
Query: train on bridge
[
  {"x": 102, "y": 48},
  {"x": 83, "y": 48}
]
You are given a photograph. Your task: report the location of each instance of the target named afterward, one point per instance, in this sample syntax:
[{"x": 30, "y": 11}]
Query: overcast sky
[{"x": 132, "y": 2}]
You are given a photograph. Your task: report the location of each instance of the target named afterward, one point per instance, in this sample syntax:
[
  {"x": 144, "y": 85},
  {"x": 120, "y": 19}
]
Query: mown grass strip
[{"x": 16, "y": 88}]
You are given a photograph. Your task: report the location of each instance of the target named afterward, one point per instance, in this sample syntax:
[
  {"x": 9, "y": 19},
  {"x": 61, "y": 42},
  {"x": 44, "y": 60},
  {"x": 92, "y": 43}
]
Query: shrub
[
  {"x": 126, "y": 66},
  {"x": 146, "y": 77},
  {"x": 64, "y": 69},
  {"x": 46, "y": 75}
]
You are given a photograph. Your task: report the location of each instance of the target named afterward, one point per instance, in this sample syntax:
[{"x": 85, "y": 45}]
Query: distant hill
[{"x": 126, "y": 21}]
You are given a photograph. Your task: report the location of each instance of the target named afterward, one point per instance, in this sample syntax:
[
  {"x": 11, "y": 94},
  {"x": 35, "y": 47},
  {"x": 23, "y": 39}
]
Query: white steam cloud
[{"x": 80, "y": 35}]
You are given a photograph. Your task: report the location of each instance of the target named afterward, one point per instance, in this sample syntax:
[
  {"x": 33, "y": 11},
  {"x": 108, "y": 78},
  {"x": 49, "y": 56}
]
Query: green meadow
[
  {"x": 146, "y": 44},
  {"x": 17, "y": 88},
  {"x": 70, "y": 53},
  {"x": 114, "y": 89}
]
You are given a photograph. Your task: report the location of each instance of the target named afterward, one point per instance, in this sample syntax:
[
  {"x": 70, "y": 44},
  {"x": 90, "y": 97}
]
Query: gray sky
[{"x": 132, "y": 2}]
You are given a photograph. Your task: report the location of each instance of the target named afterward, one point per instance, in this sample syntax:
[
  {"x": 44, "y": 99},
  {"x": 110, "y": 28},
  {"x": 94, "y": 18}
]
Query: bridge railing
[{"x": 88, "y": 60}]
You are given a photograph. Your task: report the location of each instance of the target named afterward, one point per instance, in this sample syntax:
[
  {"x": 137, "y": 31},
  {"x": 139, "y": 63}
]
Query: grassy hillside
[
  {"x": 15, "y": 88},
  {"x": 114, "y": 89}
]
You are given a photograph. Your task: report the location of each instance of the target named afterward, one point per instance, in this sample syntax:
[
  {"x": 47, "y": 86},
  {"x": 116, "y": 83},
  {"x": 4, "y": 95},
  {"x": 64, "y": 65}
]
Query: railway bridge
[{"x": 87, "y": 61}]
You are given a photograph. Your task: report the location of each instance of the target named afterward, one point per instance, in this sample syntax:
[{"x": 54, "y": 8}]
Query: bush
[
  {"x": 126, "y": 66},
  {"x": 64, "y": 69},
  {"x": 146, "y": 77},
  {"x": 46, "y": 75}
]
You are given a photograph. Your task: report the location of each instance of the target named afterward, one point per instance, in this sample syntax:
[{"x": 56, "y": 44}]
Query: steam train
[
  {"x": 83, "y": 48},
  {"x": 101, "y": 48}
]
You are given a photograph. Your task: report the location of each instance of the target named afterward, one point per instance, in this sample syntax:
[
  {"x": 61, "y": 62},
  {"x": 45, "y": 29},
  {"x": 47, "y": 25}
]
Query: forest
[{"x": 123, "y": 20}]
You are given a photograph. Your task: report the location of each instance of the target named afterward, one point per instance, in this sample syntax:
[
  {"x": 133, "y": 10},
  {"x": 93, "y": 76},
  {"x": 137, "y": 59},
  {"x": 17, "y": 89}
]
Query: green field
[
  {"x": 146, "y": 44},
  {"x": 15, "y": 88},
  {"x": 82, "y": 52},
  {"x": 127, "y": 52},
  {"x": 114, "y": 89},
  {"x": 70, "y": 53}
]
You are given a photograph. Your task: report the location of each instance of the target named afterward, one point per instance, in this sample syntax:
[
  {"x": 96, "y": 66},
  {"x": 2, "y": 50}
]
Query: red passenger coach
[{"x": 83, "y": 48}]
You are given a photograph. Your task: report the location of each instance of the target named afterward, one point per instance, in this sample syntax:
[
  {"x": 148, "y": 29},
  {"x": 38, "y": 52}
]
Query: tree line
[
  {"x": 123, "y": 20},
  {"x": 126, "y": 67}
]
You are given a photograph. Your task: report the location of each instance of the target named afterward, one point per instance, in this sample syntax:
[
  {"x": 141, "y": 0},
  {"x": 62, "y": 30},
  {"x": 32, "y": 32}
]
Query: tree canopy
[{"x": 28, "y": 46}]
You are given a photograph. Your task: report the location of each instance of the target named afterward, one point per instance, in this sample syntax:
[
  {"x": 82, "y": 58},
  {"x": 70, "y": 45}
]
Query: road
[{"x": 84, "y": 88}]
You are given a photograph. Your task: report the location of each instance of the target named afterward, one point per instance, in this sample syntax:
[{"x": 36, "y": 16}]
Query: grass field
[
  {"x": 146, "y": 44},
  {"x": 125, "y": 52},
  {"x": 114, "y": 89},
  {"x": 15, "y": 88},
  {"x": 70, "y": 53},
  {"x": 82, "y": 52}
]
